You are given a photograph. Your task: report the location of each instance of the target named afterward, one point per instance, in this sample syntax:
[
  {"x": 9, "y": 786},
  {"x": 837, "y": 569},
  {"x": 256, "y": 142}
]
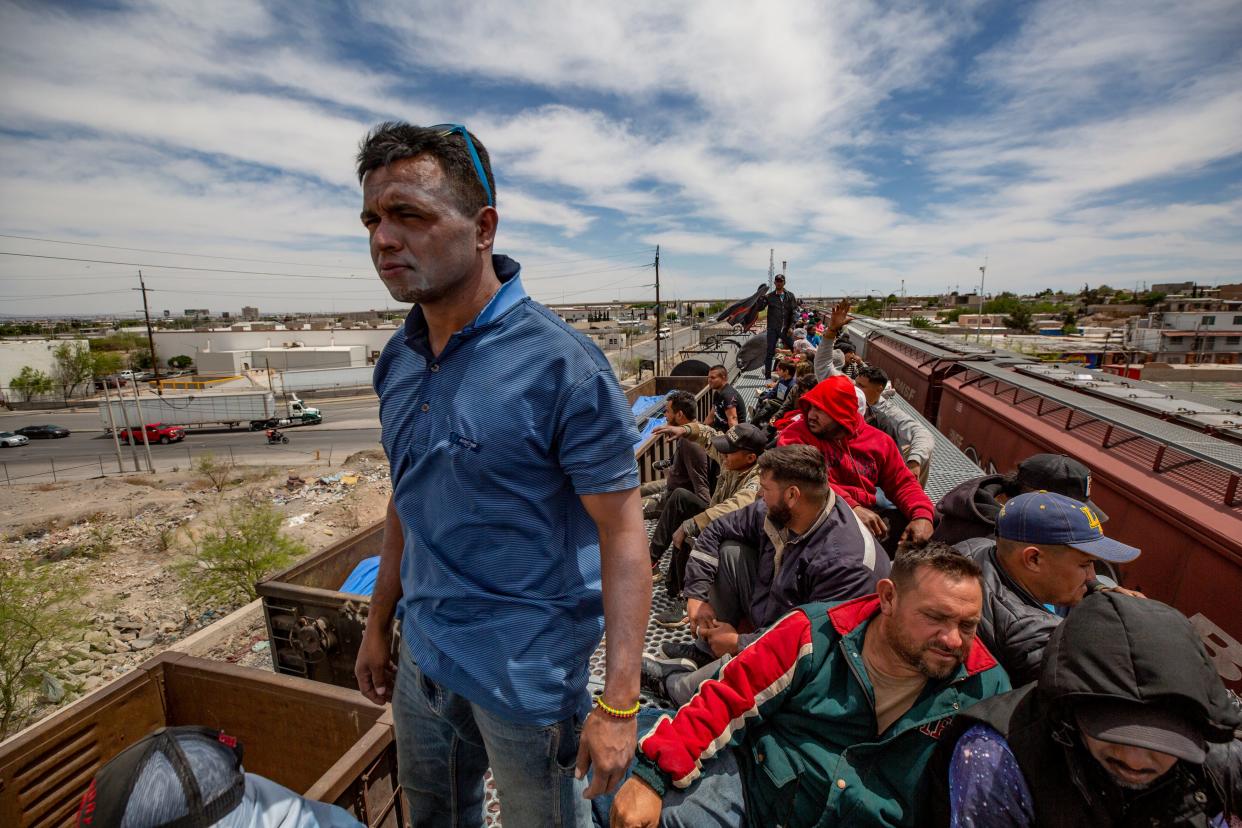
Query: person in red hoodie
[{"x": 860, "y": 458}]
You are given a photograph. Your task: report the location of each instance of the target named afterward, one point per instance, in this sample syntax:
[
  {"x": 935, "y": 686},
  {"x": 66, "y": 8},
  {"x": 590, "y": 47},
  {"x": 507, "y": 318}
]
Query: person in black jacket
[
  {"x": 969, "y": 510},
  {"x": 781, "y": 305},
  {"x": 1129, "y": 725},
  {"x": 1043, "y": 556}
]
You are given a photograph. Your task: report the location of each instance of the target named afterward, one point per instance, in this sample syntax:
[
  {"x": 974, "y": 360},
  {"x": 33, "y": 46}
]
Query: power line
[
  {"x": 587, "y": 272},
  {"x": 164, "y": 252},
  {"x": 179, "y": 267}
]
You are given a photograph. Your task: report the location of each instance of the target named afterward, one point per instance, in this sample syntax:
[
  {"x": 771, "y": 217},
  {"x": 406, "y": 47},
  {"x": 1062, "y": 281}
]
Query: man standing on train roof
[
  {"x": 781, "y": 305},
  {"x": 514, "y": 531}
]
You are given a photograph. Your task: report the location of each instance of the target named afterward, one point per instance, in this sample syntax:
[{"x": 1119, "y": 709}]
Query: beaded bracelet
[{"x": 614, "y": 712}]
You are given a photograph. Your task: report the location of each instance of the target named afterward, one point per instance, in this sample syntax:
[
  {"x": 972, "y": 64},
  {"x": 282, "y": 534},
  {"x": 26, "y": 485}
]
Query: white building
[
  {"x": 192, "y": 343},
  {"x": 234, "y": 362},
  {"x": 16, "y": 354},
  {"x": 1186, "y": 330}
]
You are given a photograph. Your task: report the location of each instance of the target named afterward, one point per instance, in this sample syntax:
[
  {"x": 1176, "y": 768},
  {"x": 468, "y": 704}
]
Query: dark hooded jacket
[
  {"x": 1112, "y": 646},
  {"x": 969, "y": 510}
]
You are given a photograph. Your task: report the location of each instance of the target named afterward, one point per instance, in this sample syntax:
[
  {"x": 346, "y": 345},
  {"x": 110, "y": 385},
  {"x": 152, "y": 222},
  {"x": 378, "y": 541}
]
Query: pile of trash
[{"x": 328, "y": 489}]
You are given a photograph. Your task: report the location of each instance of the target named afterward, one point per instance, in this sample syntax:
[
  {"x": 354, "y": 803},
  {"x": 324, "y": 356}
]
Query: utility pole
[
  {"x": 771, "y": 267},
  {"x": 659, "y": 314},
  {"x": 983, "y": 270},
  {"x": 146, "y": 311}
]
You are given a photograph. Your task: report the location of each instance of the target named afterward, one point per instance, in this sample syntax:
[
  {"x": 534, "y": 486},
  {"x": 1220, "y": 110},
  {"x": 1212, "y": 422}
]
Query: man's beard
[
  {"x": 780, "y": 514},
  {"x": 419, "y": 290},
  {"x": 913, "y": 653}
]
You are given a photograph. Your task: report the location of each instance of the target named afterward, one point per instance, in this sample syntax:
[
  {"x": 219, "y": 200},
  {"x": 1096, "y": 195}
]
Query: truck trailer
[{"x": 256, "y": 409}]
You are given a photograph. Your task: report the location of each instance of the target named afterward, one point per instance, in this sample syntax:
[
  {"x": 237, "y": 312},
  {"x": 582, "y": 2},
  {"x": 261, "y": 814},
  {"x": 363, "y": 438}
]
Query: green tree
[
  {"x": 1020, "y": 319},
  {"x": 1071, "y": 323},
  {"x": 180, "y": 362},
  {"x": 1005, "y": 303},
  {"x": 105, "y": 363},
  {"x": 38, "y": 609},
  {"x": 870, "y": 307},
  {"x": 30, "y": 382},
  {"x": 952, "y": 314},
  {"x": 140, "y": 359},
  {"x": 240, "y": 548},
  {"x": 917, "y": 321},
  {"x": 71, "y": 367}
]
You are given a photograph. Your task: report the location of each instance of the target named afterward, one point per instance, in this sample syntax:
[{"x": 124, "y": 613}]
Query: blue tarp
[
  {"x": 644, "y": 404},
  {"x": 652, "y": 425},
  {"x": 362, "y": 580}
]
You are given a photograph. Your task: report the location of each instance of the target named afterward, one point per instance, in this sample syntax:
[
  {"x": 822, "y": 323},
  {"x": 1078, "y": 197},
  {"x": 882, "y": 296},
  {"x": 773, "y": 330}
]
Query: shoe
[
  {"x": 656, "y": 574},
  {"x": 673, "y": 617},
  {"x": 654, "y": 674},
  {"x": 682, "y": 652},
  {"x": 651, "y": 507}
]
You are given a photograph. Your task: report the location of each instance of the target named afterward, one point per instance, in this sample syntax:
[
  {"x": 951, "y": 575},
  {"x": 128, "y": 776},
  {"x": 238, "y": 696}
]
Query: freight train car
[{"x": 1167, "y": 489}]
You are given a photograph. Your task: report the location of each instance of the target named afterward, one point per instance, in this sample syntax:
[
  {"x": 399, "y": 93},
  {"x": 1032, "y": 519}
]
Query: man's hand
[
  {"x": 671, "y": 431},
  {"x": 840, "y": 315},
  {"x": 1133, "y": 593},
  {"x": 918, "y": 532},
  {"x": 701, "y": 616},
  {"x": 679, "y": 538},
  {"x": 374, "y": 669},
  {"x": 915, "y": 467},
  {"x": 722, "y": 639},
  {"x": 636, "y": 806},
  {"x": 607, "y": 746},
  {"x": 874, "y": 523}
]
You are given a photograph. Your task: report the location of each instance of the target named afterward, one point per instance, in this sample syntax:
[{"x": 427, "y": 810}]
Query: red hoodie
[{"x": 860, "y": 459}]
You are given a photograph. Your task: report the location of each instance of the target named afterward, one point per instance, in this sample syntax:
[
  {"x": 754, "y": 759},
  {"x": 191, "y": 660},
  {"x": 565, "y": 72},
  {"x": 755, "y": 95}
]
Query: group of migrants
[{"x": 858, "y": 655}]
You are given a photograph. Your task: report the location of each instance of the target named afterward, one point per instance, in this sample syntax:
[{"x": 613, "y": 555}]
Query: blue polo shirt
[{"x": 491, "y": 445}]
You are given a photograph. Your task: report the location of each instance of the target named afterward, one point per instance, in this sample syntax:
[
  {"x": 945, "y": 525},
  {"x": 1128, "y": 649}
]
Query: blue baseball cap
[{"x": 1047, "y": 517}]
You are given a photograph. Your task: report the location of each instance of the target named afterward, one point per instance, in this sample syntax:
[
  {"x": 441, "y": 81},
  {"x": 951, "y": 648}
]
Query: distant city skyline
[{"x": 1066, "y": 143}]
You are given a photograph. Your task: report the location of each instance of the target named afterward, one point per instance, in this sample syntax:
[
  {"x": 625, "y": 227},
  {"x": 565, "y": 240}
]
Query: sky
[{"x": 1057, "y": 142}]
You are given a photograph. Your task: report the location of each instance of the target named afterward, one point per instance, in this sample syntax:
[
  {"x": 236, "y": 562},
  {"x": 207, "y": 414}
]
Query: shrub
[
  {"x": 216, "y": 471},
  {"x": 239, "y": 548},
  {"x": 38, "y": 608},
  {"x": 30, "y": 382}
]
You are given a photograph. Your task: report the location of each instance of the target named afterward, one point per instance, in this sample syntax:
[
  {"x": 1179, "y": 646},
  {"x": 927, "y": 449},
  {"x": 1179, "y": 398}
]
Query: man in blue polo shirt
[{"x": 514, "y": 531}]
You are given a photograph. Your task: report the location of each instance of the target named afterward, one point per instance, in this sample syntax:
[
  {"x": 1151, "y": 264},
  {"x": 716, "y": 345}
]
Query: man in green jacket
[{"x": 831, "y": 716}]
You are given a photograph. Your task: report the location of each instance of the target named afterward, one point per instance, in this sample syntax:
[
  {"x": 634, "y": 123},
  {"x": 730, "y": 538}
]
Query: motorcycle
[{"x": 274, "y": 436}]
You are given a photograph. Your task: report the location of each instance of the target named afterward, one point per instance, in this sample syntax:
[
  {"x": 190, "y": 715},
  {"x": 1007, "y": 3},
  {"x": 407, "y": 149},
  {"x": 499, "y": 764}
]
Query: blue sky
[{"x": 1066, "y": 142}]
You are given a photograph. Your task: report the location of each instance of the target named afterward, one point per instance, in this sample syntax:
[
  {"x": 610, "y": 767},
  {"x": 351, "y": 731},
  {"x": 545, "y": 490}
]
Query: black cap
[
  {"x": 742, "y": 437},
  {"x": 1060, "y": 474},
  {"x": 176, "y": 777},
  {"x": 1143, "y": 726}
]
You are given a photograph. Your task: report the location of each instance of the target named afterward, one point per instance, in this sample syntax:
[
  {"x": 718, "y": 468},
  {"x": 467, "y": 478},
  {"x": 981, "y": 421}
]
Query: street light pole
[{"x": 983, "y": 269}]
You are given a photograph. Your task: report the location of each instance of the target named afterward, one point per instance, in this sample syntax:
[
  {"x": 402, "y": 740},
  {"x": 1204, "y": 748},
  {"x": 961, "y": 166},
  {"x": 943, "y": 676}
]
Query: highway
[{"x": 349, "y": 425}]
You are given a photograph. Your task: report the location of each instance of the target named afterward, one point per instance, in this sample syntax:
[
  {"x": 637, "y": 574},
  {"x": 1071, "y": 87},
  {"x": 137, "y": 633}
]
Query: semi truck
[{"x": 255, "y": 409}]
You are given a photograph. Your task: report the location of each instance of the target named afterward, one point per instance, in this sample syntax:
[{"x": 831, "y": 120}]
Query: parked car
[
  {"x": 156, "y": 433},
  {"x": 9, "y": 439},
  {"x": 43, "y": 432}
]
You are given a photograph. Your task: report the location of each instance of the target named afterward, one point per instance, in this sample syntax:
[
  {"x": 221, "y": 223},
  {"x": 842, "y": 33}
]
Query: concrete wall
[
  {"x": 37, "y": 353},
  {"x": 171, "y": 343},
  {"x": 220, "y": 363}
]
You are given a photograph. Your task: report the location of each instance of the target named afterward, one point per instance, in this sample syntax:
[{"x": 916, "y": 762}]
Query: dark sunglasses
[{"x": 447, "y": 130}]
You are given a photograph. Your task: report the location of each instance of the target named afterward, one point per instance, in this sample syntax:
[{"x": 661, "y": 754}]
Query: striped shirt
[{"x": 492, "y": 443}]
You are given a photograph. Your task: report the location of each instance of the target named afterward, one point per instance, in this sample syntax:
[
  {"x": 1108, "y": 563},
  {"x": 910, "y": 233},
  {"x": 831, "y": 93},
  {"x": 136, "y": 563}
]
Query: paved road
[
  {"x": 681, "y": 337},
  {"x": 349, "y": 425}
]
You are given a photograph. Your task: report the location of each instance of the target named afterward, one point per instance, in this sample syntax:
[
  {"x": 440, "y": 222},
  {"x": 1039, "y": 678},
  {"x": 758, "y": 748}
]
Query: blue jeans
[
  {"x": 714, "y": 799},
  {"x": 445, "y": 743},
  {"x": 773, "y": 338}
]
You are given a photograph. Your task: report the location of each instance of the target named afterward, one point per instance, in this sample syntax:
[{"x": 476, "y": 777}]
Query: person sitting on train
[
  {"x": 799, "y": 543},
  {"x": 194, "y": 776},
  {"x": 831, "y": 716},
  {"x": 1043, "y": 557},
  {"x": 684, "y": 515},
  {"x": 1129, "y": 724},
  {"x": 913, "y": 438},
  {"x": 852, "y": 362},
  {"x": 773, "y": 397},
  {"x": 860, "y": 458},
  {"x": 969, "y": 510},
  {"x": 687, "y": 470}
]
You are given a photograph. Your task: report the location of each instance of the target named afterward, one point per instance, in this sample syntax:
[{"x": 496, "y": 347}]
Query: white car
[{"x": 8, "y": 439}]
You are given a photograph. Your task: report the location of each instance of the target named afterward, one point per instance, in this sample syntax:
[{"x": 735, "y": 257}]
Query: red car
[{"x": 156, "y": 433}]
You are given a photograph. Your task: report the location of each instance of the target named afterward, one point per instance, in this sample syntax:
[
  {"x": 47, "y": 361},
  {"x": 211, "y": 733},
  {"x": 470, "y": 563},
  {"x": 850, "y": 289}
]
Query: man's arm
[
  {"x": 747, "y": 494},
  {"x": 902, "y": 487},
  {"x": 607, "y": 742},
  {"x": 724, "y": 706},
  {"x": 694, "y": 462},
  {"x": 374, "y": 668},
  {"x": 740, "y": 525}
]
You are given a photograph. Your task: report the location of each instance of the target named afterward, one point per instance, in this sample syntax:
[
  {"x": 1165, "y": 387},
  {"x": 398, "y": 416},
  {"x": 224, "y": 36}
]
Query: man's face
[
  {"x": 738, "y": 460},
  {"x": 1062, "y": 576},
  {"x": 822, "y": 425},
  {"x": 673, "y": 416},
  {"x": 780, "y": 284},
  {"x": 421, "y": 244},
  {"x": 870, "y": 390},
  {"x": 1130, "y": 767},
  {"x": 716, "y": 379},
  {"x": 784, "y": 374},
  {"x": 774, "y": 497},
  {"x": 932, "y": 623}
]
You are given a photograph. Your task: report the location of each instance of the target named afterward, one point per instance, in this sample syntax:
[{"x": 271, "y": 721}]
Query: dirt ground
[{"x": 123, "y": 534}]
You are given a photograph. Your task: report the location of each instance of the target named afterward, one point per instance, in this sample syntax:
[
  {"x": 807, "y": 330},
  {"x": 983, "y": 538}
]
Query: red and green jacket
[{"x": 799, "y": 711}]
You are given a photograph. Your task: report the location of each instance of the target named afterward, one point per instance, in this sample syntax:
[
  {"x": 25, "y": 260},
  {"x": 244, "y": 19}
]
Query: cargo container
[
  {"x": 254, "y": 409},
  {"x": 303, "y": 735}
]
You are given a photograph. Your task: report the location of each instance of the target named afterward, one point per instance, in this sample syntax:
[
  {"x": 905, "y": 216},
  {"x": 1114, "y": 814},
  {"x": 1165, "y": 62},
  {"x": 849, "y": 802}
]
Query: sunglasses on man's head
[{"x": 449, "y": 129}]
